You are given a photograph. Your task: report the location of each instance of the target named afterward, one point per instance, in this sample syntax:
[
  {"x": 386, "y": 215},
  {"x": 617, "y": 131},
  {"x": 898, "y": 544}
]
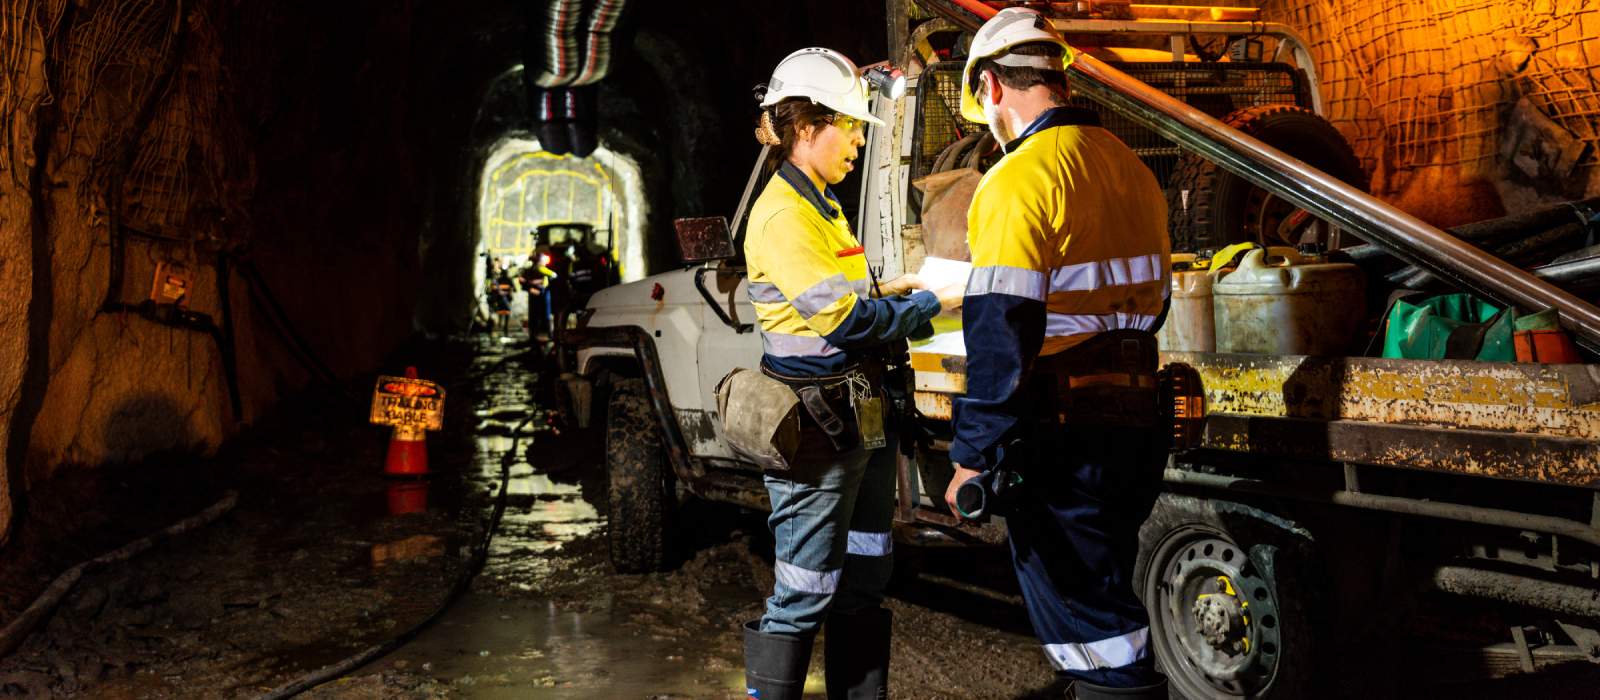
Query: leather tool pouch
[
  {"x": 760, "y": 418},
  {"x": 827, "y": 403}
]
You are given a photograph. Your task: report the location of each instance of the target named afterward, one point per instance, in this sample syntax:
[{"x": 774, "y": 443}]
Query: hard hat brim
[
  {"x": 971, "y": 109},
  {"x": 861, "y": 114}
]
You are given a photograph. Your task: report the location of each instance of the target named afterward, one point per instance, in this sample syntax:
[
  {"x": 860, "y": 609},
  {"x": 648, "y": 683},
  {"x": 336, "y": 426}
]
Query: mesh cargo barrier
[
  {"x": 1428, "y": 84},
  {"x": 1215, "y": 88}
]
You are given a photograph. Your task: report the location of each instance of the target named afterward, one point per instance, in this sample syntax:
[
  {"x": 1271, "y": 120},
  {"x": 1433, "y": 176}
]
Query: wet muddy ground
[
  {"x": 323, "y": 557},
  {"x": 314, "y": 565}
]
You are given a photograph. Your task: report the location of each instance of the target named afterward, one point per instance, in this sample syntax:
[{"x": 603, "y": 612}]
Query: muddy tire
[
  {"x": 1212, "y": 208},
  {"x": 1249, "y": 637},
  {"x": 639, "y": 480}
]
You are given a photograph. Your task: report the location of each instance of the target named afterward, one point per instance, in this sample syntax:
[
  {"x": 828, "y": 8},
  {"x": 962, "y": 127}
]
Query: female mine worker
[{"x": 821, "y": 318}]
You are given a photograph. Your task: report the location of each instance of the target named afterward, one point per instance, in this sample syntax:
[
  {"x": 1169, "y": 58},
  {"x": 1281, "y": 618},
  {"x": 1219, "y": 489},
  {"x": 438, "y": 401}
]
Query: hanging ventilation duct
[
  {"x": 562, "y": 89},
  {"x": 555, "y": 43},
  {"x": 597, "y": 46}
]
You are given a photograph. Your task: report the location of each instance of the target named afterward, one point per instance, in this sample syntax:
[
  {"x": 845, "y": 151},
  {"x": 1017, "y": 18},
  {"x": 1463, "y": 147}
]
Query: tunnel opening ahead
[{"x": 542, "y": 216}]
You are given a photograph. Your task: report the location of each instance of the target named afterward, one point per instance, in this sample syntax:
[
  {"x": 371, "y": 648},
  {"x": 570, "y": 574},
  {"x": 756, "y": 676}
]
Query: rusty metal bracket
[{"x": 1519, "y": 638}]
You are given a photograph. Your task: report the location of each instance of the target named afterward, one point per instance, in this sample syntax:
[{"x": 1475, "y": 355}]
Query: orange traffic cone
[
  {"x": 408, "y": 447},
  {"x": 408, "y": 452}
]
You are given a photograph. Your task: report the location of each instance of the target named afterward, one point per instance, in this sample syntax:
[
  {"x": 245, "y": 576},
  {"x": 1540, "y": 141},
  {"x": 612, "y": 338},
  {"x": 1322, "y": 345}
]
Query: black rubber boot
[
  {"x": 774, "y": 664},
  {"x": 1080, "y": 690},
  {"x": 857, "y": 655}
]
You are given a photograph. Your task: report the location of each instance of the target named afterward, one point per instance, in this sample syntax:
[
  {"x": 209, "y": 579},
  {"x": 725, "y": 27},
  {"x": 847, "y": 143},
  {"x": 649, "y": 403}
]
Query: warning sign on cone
[{"x": 412, "y": 407}]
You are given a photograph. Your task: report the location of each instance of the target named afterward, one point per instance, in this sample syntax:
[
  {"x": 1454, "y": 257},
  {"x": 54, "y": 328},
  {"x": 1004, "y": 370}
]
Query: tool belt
[
  {"x": 760, "y": 418},
  {"x": 826, "y": 400},
  {"x": 1108, "y": 380}
]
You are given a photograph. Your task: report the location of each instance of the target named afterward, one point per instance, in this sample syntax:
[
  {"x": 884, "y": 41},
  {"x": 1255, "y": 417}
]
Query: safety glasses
[{"x": 847, "y": 123}]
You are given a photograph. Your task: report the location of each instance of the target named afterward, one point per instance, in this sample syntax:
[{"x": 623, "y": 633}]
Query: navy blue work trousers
[{"x": 1074, "y": 539}]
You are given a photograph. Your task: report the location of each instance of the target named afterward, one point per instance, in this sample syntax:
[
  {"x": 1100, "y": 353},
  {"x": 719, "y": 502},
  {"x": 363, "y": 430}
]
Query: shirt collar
[
  {"x": 1053, "y": 117},
  {"x": 827, "y": 205}
]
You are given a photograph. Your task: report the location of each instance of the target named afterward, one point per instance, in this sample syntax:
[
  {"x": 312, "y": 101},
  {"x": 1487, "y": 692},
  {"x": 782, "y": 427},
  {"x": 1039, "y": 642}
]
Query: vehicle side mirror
[{"x": 704, "y": 238}]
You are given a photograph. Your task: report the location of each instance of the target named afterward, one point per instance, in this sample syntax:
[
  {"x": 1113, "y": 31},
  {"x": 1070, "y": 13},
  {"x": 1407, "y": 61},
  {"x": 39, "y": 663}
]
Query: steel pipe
[
  {"x": 1408, "y": 237},
  {"x": 1517, "y": 589},
  {"x": 1392, "y": 504},
  {"x": 1571, "y": 271}
]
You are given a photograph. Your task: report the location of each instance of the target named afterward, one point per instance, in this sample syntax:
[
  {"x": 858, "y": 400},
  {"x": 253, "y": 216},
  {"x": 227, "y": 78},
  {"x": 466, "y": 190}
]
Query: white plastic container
[
  {"x": 1190, "y": 326},
  {"x": 1288, "y": 306}
]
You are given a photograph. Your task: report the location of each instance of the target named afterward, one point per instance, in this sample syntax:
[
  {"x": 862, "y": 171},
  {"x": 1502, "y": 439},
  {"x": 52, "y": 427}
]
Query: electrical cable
[
  {"x": 268, "y": 303},
  {"x": 13, "y": 634},
  {"x": 479, "y": 556}
]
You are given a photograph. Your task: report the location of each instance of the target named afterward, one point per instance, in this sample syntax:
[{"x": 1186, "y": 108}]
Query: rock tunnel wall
[
  {"x": 139, "y": 134},
  {"x": 320, "y": 160}
]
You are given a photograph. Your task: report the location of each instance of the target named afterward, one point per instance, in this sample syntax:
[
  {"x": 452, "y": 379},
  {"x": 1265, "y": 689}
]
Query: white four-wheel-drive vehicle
[{"x": 1324, "y": 492}]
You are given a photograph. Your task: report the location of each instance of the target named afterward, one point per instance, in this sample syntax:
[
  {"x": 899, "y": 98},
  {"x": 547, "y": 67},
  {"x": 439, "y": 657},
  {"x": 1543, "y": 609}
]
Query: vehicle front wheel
[{"x": 639, "y": 490}]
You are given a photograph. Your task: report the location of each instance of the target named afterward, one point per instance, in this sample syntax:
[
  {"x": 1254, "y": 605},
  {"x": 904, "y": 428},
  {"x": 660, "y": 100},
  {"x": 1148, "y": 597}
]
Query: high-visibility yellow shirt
[
  {"x": 809, "y": 283},
  {"x": 1068, "y": 233}
]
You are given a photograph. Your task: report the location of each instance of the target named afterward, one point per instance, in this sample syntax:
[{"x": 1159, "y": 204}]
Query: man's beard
[{"x": 997, "y": 126}]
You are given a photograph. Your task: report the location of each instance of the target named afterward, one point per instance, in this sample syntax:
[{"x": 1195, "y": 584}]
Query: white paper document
[{"x": 939, "y": 273}]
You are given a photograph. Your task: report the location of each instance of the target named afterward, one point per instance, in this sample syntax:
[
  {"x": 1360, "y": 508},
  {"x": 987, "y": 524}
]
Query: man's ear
[{"x": 991, "y": 83}]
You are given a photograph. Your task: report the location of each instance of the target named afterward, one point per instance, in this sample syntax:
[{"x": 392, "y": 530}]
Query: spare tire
[{"x": 1211, "y": 207}]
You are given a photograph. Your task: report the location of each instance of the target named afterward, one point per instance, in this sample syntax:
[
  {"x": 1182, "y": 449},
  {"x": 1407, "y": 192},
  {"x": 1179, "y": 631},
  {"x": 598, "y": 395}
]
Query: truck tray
[{"x": 1528, "y": 422}]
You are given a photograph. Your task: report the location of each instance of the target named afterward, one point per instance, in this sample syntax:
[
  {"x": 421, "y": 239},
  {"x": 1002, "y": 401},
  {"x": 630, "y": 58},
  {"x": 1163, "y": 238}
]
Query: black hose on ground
[
  {"x": 463, "y": 582},
  {"x": 14, "y": 633},
  {"x": 268, "y": 303}
]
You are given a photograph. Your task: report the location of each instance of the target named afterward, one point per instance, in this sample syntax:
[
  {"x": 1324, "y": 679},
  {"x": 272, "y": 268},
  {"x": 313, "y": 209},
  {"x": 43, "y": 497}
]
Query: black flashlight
[{"x": 989, "y": 493}]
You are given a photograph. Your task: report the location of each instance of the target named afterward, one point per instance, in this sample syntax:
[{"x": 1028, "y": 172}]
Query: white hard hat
[
  {"x": 825, "y": 77},
  {"x": 1008, "y": 28}
]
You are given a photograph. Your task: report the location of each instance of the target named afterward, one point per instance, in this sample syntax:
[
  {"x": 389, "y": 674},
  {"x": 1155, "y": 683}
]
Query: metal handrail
[{"x": 1408, "y": 237}]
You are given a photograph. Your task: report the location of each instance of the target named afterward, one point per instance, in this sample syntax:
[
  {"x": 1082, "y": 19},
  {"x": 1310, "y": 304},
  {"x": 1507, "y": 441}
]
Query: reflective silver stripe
[
  {"x": 869, "y": 544},
  {"x": 785, "y": 345},
  {"x": 1114, "y": 272},
  {"x": 862, "y": 287},
  {"x": 812, "y": 301},
  {"x": 805, "y": 580},
  {"x": 1116, "y": 652},
  {"x": 1056, "y": 325},
  {"x": 1004, "y": 279},
  {"x": 766, "y": 293}
]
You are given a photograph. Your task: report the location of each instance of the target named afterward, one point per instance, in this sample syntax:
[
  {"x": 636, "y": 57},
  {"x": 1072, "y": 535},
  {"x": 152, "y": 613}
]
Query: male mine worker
[{"x": 1069, "y": 281}]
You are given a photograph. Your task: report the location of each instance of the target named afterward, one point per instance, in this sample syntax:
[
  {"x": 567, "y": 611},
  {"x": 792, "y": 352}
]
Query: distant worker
[
  {"x": 500, "y": 293},
  {"x": 535, "y": 279},
  {"x": 558, "y": 258},
  {"x": 820, "y": 316},
  {"x": 1070, "y": 263}
]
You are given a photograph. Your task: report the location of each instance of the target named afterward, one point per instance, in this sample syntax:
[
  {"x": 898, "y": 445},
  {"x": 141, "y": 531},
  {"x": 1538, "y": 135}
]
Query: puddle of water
[
  {"x": 491, "y": 647},
  {"x": 505, "y": 646}
]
